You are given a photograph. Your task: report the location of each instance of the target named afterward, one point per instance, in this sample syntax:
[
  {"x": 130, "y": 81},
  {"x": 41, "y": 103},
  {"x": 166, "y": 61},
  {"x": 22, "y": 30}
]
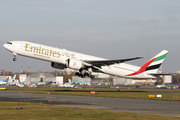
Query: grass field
[{"x": 34, "y": 111}]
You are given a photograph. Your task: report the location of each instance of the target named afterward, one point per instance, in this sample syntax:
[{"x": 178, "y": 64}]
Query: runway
[{"x": 171, "y": 108}]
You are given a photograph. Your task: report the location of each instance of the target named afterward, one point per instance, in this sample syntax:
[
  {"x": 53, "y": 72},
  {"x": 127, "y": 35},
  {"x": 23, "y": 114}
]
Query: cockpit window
[{"x": 9, "y": 43}]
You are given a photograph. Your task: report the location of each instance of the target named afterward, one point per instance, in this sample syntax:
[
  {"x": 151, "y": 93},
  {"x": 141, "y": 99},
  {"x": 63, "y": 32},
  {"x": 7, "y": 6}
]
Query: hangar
[{"x": 36, "y": 77}]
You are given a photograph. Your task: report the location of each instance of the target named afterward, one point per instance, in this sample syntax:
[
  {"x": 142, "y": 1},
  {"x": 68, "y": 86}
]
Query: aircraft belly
[
  {"x": 114, "y": 71},
  {"x": 123, "y": 72}
]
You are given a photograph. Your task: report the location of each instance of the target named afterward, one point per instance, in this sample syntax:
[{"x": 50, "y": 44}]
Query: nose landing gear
[
  {"x": 14, "y": 54},
  {"x": 14, "y": 59}
]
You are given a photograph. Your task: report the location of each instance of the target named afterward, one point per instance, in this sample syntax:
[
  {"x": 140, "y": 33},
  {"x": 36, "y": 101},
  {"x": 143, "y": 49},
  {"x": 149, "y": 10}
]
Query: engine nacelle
[
  {"x": 58, "y": 65},
  {"x": 75, "y": 64}
]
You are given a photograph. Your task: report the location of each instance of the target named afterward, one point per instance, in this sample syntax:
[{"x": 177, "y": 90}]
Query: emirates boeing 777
[{"x": 86, "y": 64}]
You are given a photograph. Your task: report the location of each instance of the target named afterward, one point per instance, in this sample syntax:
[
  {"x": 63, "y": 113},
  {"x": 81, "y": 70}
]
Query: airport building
[
  {"x": 167, "y": 79},
  {"x": 36, "y": 77},
  {"x": 76, "y": 79},
  {"x": 22, "y": 78},
  {"x": 4, "y": 77}
]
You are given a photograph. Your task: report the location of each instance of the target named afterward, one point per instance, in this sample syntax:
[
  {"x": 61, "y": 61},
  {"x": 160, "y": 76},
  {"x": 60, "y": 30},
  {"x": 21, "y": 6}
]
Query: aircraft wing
[{"x": 107, "y": 62}]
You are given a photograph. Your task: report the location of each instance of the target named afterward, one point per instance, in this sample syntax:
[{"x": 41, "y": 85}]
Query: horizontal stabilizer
[{"x": 157, "y": 74}]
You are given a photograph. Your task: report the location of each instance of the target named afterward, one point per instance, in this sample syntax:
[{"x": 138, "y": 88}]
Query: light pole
[{"x": 43, "y": 77}]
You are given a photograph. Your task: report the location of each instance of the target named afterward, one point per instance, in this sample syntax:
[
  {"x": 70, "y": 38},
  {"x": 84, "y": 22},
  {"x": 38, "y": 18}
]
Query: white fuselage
[
  {"x": 61, "y": 56},
  {"x": 3, "y": 83}
]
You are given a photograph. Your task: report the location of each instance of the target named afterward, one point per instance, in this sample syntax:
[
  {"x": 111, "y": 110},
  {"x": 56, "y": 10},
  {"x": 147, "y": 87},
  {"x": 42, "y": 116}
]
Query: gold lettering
[
  {"x": 35, "y": 49},
  {"x": 26, "y": 47},
  {"x": 39, "y": 49},
  {"x": 54, "y": 52},
  {"x": 58, "y": 54},
  {"x": 42, "y": 51},
  {"x": 46, "y": 52},
  {"x": 50, "y": 52}
]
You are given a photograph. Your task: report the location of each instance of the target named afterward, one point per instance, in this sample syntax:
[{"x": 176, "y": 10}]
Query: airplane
[
  {"x": 4, "y": 82},
  {"x": 172, "y": 85},
  {"x": 169, "y": 85},
  {"x": 68, "y": 84},
  {"x": 20, "y": 84},
  {"x": 13, "y": 78},
  {"x": 12, "y": 81},
  {"x": 65, "y": 84},
  {"x": 60, "y": 84},
  {"x": 41, "y": 83},
  {"x": 86, "y": 64},
  {"x": 80, "y": 83},
  {"x": 161, "y": 86},
  {"x": 32, "y": 85},
  {"x": 83, "y": 83}
]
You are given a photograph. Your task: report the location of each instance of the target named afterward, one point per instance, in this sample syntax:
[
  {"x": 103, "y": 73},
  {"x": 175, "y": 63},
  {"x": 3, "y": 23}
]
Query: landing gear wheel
[
  {"x": 92, "y": 76},
  {"x": 14, "y": 59}
]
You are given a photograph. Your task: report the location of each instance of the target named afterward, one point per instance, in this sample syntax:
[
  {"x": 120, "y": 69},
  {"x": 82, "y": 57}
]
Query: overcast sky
[{"x": 112, "y": 29}]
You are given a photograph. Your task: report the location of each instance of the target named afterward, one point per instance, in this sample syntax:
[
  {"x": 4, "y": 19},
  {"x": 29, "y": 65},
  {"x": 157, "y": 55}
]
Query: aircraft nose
[{"x": 5, "y": 45}]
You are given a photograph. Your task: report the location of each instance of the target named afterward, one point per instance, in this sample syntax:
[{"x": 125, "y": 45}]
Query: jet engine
[
  {"x": 75, "y": 64},
  {"x": 58, "y": 65}
]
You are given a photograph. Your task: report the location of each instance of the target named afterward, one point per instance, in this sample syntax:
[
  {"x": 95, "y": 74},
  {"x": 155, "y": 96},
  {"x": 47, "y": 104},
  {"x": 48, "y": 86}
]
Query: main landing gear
[{"x": 83, "y": 75}]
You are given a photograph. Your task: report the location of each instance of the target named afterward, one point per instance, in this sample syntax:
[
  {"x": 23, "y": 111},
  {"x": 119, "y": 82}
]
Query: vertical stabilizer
[
  {"x": 14, "y": 77},
  {"x": 7, "y": 80},
  {"x": 152, "y": 65}
]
